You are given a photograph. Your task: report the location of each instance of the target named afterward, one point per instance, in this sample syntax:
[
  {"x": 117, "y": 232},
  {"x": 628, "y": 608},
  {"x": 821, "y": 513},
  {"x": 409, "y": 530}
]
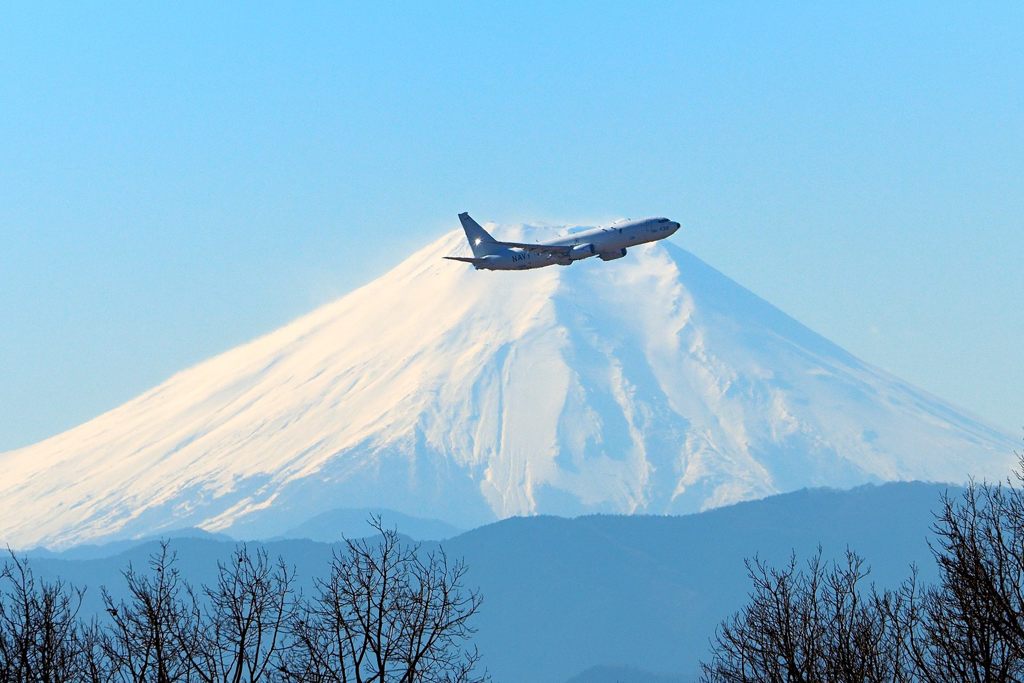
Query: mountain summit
[{"x": 649, "y": 384}]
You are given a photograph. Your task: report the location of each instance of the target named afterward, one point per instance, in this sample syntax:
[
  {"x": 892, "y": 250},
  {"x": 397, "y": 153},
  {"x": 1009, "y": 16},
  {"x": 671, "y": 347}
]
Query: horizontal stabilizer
[{"x": 465, "y": 259}]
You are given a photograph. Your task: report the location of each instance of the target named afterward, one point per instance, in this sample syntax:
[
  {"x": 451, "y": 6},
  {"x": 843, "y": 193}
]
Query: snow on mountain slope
[{"x": 652, "y": 383}]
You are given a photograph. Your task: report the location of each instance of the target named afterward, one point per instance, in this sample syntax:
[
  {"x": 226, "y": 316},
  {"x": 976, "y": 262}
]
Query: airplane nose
[{"x": 675, "y": 226}]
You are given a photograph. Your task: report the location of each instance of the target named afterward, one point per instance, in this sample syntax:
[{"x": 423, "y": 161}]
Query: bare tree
[
  {"x": 817, "y": 625},
  {"x": 971, "y": 626},
  {"x": 39, "y": 630},
  {"x": 980, "y": 550},
  {"x": 246, "y": 617},
  {"x": 389, "y": 613},
  {"x": 945, "y": 642},
  {"x": 93, "y": 647},
  {"x": 152, "y": 635},
  {"x": 813, "y": 624}
]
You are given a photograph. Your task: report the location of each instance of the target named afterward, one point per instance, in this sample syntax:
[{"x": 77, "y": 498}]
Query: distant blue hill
[
  {"x": 603, "y": 598},
  {"x": 92, "y": 551},
  {"x": 334, "y": 525},
  {"x": 328, "y": 527}
]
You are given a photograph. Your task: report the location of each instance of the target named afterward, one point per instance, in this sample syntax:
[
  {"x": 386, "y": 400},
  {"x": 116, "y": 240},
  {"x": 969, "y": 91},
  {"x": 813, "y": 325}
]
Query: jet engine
[
  {"x": 582, "y": 251},
  {"x": 611, "y": 255}
]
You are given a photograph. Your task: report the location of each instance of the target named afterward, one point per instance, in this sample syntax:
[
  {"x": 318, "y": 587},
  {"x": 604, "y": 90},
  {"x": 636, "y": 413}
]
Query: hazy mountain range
[{"x": 605, "y": 598}]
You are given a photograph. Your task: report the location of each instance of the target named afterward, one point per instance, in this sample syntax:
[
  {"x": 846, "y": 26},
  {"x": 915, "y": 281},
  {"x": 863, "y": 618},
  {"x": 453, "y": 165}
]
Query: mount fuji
[{"x": 650, "y": 384}]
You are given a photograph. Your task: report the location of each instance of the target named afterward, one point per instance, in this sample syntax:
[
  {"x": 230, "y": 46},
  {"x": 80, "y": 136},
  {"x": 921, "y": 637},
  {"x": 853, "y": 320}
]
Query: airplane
[{"x": 607, "y": 244}]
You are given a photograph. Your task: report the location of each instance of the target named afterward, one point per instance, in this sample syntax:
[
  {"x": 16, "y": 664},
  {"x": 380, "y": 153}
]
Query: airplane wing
[{"x": 547, "y": 249}]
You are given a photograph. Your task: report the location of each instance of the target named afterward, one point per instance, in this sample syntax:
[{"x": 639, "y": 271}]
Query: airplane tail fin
[{"x": 480, "y": 240}]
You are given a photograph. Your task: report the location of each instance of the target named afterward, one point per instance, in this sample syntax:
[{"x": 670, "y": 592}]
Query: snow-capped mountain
[{"x": 649, "y": 384}]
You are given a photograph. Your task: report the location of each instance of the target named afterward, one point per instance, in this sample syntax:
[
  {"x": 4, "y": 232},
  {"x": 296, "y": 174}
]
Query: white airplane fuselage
[{"x": 606, "y": 243}]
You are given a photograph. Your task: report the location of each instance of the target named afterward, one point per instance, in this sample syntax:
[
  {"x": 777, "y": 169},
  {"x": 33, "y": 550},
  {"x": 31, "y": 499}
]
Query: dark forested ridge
[{"x": 561, "y": 596}]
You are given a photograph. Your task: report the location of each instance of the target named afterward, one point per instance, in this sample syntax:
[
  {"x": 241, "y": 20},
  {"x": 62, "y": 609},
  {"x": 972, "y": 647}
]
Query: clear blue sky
[{"x": 177, "y": 178}]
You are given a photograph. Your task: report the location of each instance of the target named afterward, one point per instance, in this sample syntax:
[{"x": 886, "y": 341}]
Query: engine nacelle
[
  {"x": 611, "y": 255},
  {"x": 582, "y": 251}
]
